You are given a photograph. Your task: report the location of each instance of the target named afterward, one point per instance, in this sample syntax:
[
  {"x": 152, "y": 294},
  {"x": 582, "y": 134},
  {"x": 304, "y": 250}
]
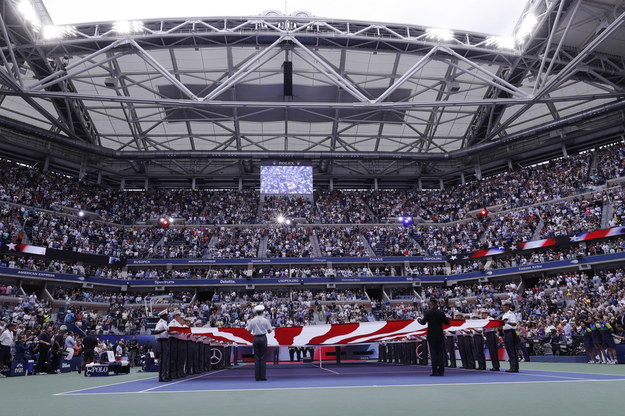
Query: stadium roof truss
[{"x": 198, "y": 97}]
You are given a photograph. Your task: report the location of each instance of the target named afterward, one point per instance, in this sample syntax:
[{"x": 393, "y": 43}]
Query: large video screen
[{"x": 286, "y": 178}]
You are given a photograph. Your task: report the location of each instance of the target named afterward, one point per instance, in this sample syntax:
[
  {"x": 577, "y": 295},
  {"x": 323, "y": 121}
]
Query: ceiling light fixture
[
  {"x": 50, "y": 32},
  {"x": 126, "y": 27},
  {"x": 526, "y": 27},
  {"x": 26, "y": 8},
  {"x": 439, "y": 34},
  {"x": 502, "y": 42}
]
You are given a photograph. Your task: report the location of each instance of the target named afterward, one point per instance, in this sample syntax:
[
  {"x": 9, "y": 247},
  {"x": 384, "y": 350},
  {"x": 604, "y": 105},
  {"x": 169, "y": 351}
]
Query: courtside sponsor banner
[{"x": 287, "y": 260}]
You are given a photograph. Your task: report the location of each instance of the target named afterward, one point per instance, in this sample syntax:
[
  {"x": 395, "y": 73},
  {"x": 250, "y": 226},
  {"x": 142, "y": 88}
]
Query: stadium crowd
[
  {"x": 562, "y": 311},
  {"x": 523, "y": 200},
  {"x": 558, "y": 313}
]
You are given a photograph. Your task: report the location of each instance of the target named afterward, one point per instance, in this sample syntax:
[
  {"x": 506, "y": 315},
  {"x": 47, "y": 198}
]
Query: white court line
[
  {"x": 350, "y": 387},
  {"x": 523, "y": 373},
  {"x": 180, "y": 381},
  {"x": 104, "y": 385},
  {"x": 130, "y": 381},
  {"x": 543, "y": 375},
  {"x": 327, "y": 369},
  {"x": 576, "y": 372}
]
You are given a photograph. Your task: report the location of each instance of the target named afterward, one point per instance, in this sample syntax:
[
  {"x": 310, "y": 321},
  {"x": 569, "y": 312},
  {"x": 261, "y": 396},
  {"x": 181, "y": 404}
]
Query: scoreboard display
[{"x": 286, "y": 178}]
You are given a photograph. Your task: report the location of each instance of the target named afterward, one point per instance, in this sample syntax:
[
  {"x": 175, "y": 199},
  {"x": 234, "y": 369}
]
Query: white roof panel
[{"x": 16, "y": 108}]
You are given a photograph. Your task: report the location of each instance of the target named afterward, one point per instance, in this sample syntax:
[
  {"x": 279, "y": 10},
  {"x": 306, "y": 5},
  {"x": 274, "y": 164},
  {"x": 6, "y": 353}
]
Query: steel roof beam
[
  {"x": 407, "y": 75},
  {"x": 564, "y": 74},
  {"x": 160, "y": 102},
  {"x": 532, "y": 132},
  {"x": 319, "y": 63},
  {"x": 247, "y": 68}
]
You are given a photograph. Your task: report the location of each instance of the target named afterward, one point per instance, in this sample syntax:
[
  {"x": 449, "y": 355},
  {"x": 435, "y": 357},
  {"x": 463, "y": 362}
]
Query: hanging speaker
[{"x": 287, "y": 69}]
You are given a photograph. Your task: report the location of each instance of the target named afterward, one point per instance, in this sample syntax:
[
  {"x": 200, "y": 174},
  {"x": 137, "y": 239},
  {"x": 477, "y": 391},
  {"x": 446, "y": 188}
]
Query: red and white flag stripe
[
  {"x": 336, "y": 334},
  {"x": 40, "y": 251},
  {"x": 489, "y": 252},
  {"x": 530, "y": 245}
]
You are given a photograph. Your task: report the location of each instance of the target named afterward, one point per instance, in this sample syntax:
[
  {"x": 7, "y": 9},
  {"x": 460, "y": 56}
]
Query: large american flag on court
[{"x": 336, "y": 334}]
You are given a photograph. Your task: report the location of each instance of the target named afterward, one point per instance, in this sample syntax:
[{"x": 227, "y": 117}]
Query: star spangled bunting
[
  {"x": 592, "y": 235},
  {"x": 336, "y": 334},
  {"x": 23, "y": 248}
]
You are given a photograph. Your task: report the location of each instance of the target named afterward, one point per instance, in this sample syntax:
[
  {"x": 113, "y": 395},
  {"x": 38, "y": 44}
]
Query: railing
[{"x": 570, "y": 264}]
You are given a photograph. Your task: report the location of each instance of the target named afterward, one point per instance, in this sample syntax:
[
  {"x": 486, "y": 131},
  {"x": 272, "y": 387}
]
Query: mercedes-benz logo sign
[
  {"x": 419, "y": 351},
  {"x": 216, "y": 356}
]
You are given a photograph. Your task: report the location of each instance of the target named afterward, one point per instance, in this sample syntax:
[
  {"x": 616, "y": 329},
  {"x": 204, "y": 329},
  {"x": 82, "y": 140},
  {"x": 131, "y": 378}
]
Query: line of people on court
[
  {"x": 300, "y": 353},
  {"x": 471, "y": 343},
  {"x": 181, "y": 354}
]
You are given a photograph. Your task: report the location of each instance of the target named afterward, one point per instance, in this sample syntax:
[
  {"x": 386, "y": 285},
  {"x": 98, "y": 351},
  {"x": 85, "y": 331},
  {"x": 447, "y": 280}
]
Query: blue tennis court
[{"x": 353, "y": 375}]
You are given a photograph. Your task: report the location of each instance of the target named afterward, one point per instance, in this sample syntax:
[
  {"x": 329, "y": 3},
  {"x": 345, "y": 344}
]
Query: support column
[
  {"x": 420, "y": 184},
  {"x": 240, "y": 184},
  {"x": 331, "y": 184},
  {"x": 46, "y": 164},
  {"x": 146, "y": 184},
  {"x": 565, "y": 152},
  {"x": 442, "y": 185},
  {"x": 83, "y": 171},
  {"x": 510, "y": 167},
  {"x": 375, "y": 184},
  {"x": 99, "y": 180},
  {"x": 193, "y": 184},
  {"x": 478, "y": 172},
  {"x": 122, "y": 184},
  {"x": 462, "y": 178}
]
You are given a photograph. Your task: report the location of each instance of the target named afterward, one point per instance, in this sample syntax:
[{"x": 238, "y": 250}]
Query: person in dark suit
[{"x": 435, "y": 319}]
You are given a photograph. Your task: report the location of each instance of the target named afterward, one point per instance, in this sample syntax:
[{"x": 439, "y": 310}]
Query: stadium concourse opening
[{"x": 230, "y": 210}]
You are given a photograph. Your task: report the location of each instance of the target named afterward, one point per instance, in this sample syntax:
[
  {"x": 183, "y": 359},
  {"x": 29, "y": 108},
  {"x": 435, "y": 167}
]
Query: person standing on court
[
  {"x": 178, "y": 346},
  {"x": 164, "y": 356},
  {"x": 259, "y": 326},
  {"x": 491, "y": 341},
  {"x": 7, "y": 341},
  {"x": 435, "y": 319},
  {"x": 510, "y": 337},
  {"x": 89, "y": 345},
  {"x": 478, "y": 346}
]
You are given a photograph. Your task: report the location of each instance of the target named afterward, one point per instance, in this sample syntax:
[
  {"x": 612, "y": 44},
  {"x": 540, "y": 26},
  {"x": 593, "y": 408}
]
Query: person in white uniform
[
  {"x": 164, "y": 355},
  {"x": 510, "y": 337},
  {"x": 259, "y": 327}
]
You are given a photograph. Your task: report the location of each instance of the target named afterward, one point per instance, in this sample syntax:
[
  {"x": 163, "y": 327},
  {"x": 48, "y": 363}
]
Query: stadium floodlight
[
  {"x": 171, "y": 219},
  {"x": 439, "y": 34},
  {"x": 502, "y": 42},
  {"x": 280, "y": 219},
  {"x": 526, "y": 27},
  {"x": 26, "y": 8},
  {"x": 288, "y": 222},
  {"x": 407, "y": 221},
  {"x": 81, "y": 213},
  {"x": 126, "y": 26},
  {"x": 51, "y": 32}
]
